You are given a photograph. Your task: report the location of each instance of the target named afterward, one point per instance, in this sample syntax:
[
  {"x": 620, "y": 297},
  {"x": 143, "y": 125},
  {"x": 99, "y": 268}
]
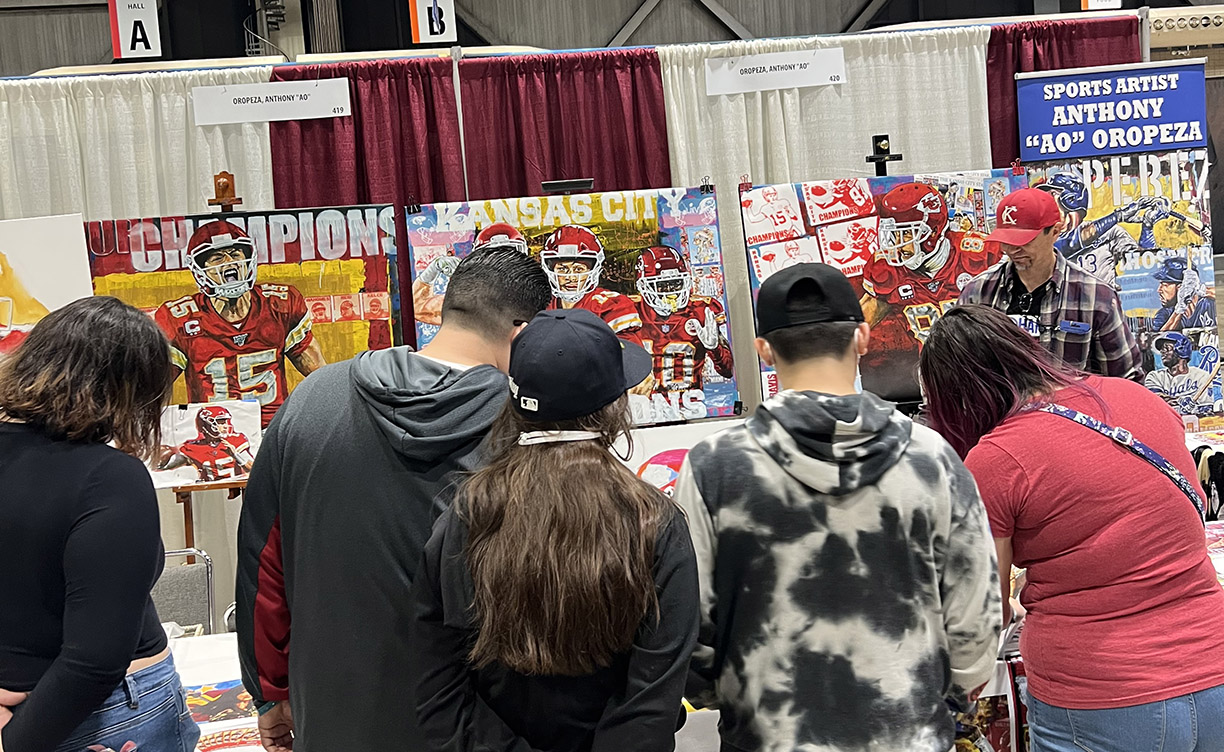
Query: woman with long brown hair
[
  {"x": 556, "y": 606},
  {"x": 1088, "y": 485},
  {"x": 84, "y": 661}
]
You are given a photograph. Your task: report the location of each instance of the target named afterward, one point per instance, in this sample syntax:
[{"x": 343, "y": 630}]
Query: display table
[{"x": 212, "y": 662}]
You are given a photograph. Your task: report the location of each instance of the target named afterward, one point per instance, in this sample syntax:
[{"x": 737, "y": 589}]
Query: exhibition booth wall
[{"x": 437, "y": 130}]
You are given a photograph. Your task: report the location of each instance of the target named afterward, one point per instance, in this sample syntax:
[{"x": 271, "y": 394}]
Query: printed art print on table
[
  {"x": 1142, "y": 223},
  {"x": 649, "y": 263},
  {"x": 907, "y": 244},
  {"x": 254, "y": 302}
]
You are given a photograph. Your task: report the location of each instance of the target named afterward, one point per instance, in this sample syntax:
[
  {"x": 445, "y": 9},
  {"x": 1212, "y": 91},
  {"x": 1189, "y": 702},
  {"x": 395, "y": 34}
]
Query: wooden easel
[
  {"x": 224, "y": 196},
  {"x": 183, "y": 495}
]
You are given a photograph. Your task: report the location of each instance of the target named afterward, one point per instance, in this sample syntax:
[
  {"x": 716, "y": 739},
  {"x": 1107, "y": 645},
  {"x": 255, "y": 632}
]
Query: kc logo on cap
[{"x": 1023, "y": 215}]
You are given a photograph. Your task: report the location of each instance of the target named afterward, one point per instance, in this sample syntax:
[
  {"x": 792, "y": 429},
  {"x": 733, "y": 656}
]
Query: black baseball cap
[
  {"x": 567, "y": 364},
  {"x": 829, "y": 294}
]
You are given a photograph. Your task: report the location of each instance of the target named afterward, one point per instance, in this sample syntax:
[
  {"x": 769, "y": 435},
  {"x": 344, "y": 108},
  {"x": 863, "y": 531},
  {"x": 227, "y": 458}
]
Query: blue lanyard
[{"x": 1135, "y": 446}]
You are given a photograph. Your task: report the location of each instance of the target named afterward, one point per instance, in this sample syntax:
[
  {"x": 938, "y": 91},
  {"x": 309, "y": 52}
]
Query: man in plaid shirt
[{"x": 1075, "y": 315}]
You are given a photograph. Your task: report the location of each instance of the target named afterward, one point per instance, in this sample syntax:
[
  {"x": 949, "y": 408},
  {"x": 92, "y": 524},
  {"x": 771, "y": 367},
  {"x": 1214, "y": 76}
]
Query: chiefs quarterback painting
[
  {"x": 207, "y": 442},
  {"x": 253, "y": 303},
  {"x": 908, "y": 244},
  {"x": 649, "y": 263}
]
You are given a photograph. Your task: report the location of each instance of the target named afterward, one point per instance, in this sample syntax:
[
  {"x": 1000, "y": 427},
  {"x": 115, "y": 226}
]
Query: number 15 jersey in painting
[{"x": 246, "y": 360}]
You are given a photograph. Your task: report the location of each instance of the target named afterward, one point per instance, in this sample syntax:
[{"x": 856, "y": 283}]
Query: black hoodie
[{"x": 351, "y": 475}]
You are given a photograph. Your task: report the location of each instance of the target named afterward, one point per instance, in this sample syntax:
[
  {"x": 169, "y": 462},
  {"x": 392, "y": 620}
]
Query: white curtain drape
[
  {"x": 925, "y": 89},
  {"x": 121, "y": 146}
]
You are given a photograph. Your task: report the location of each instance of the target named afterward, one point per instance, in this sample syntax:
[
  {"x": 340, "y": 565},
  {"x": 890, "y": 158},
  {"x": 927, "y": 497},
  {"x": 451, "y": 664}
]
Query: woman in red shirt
[{"x": 1122, "y": 645}]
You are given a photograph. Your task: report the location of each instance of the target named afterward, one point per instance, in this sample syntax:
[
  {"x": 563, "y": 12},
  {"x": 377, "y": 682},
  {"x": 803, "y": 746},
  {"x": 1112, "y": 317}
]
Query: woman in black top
[
  {"x": 83, "y": 658},
  {"x": 556, "y": 606}
]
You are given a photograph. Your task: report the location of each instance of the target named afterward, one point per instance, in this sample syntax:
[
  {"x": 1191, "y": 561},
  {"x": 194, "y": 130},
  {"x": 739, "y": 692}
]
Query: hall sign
[
  {"x": 134, "y": 29},
  {"x": 433, "y": 22},
  {"x": 1118, "y": 109},
  {"x": 775, "y": 70},
  {"x": 272, "y": 101}
]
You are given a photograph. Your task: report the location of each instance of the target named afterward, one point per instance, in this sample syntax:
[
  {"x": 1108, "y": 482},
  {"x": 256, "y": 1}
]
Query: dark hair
[
  {"x": 561, "y": 547},
  {"x": 807, "y": 341},
  {"x": 96, "y": 370},
  {"x": 977, "y": 368},
  {"x": 492, "y": 289}
]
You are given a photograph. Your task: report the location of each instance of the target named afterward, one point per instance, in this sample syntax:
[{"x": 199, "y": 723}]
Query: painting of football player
[
  {"x": 776, "y": 210},
  {"x": 376, "y": 309},
  {"x": 920, "y": 264},
  {"x": 218, "y": 451},
  {"x": 573, "y": 259},
  {"x": 679, "y": 329},
  {"x": 230, "y": 340},
  {"x": 426, "y": 303},
  {"x": 348, "y": 309},
  {"x": 1099, "y": 245},
  {"x": 1183, "y": 386},
  {"x": 1185, "y": 302}
]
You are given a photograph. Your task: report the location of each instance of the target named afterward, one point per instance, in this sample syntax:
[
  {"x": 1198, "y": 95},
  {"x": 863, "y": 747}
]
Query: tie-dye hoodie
[{"x": 848, "y": 579}]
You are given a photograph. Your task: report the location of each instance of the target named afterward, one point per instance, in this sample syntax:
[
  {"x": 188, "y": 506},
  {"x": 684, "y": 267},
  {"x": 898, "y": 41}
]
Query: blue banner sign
[{"x": 1092, "y": 112}]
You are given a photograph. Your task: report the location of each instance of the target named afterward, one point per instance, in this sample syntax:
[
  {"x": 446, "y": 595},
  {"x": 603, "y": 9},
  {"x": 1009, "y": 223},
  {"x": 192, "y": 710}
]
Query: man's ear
[
  {"x": 765, "y": 352},
  {"x": 862, "y": 339}
]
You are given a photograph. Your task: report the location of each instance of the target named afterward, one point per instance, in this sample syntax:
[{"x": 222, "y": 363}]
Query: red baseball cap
[{"x": 1023, "y": 214}]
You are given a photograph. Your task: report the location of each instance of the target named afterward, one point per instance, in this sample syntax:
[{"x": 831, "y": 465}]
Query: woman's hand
[{"x": 8, "y": 701}]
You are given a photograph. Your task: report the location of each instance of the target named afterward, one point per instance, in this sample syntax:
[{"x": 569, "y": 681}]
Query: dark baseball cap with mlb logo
[
  {"x": 826, "y": 294},
  {"x": 567, "y": 364}
]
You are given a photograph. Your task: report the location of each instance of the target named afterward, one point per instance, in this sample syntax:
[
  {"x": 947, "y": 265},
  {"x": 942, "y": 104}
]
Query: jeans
[
  {"x": 1190, "y": 723},
  {"x": 147, "y": 712}
]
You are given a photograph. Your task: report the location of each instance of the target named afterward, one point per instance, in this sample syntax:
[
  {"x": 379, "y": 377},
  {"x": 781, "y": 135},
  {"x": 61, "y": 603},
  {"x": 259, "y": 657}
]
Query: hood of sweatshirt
[
  {"x": 834, "y": 445},
  {"x": 426, "y": 409}
]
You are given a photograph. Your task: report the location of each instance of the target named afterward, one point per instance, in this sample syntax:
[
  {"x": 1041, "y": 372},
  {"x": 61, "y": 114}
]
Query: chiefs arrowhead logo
[
  {"x": 241, "y": 339},
  {"x": 1009, "y": 215}
]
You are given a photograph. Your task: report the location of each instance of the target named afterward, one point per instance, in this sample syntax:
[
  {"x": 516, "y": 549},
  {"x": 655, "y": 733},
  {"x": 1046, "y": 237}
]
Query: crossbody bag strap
[{"x": 1133, "y": 445}]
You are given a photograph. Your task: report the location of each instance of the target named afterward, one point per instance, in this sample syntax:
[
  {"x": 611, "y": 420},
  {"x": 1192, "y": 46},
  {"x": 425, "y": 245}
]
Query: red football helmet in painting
[
  {"x": 214, "y": 423},
  {"x": 500, "y": 234},
  {"x": 229, "y": 279},
  {"x": 664, "y": 279},
  {"x": 913, "y": 220},
  {"x": 572, "y": 243}
]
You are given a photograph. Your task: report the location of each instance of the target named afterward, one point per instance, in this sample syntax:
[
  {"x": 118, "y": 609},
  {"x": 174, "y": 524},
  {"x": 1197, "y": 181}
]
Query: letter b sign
[{"x": 434, "y": 21}]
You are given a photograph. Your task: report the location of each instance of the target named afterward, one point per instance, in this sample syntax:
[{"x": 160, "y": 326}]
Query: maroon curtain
[
  {"x": 1047, "y": 45},
  {"x": 533, "y": 118},
  {"x": 402, "y": 140}
]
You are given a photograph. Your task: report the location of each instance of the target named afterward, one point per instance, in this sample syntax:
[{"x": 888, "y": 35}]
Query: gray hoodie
[
  {"x": 352, "y": 473},
  {"x": 848, "y": 579}
]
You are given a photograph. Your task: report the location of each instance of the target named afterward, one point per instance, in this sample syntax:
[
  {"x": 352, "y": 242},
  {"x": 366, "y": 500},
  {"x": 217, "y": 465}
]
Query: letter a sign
[
  {"x": 134, "y": 29},
  {"x": 433, "y": 22}
]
